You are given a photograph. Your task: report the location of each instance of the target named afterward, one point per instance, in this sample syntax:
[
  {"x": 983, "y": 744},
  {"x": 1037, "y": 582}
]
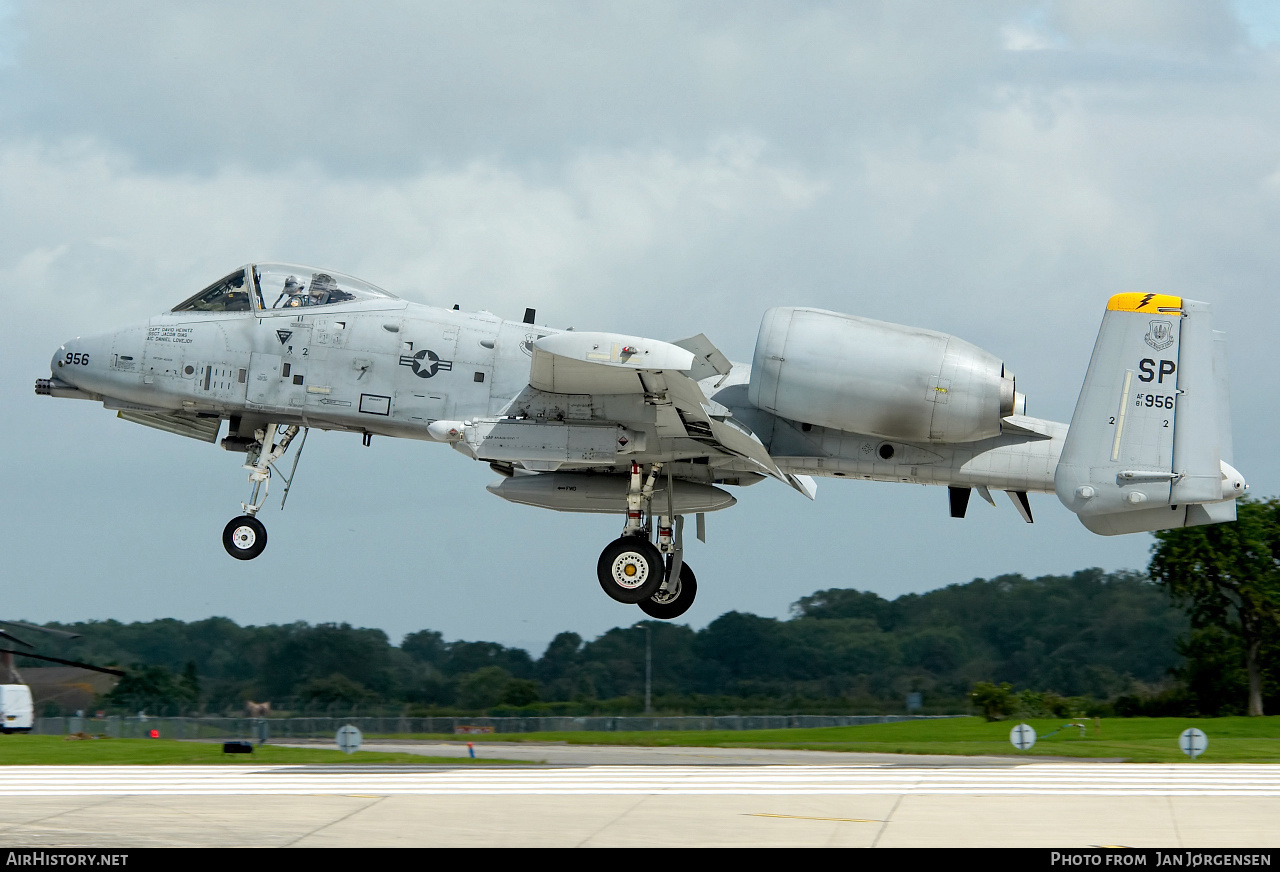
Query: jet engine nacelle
[{"x": 881, "y": 379}]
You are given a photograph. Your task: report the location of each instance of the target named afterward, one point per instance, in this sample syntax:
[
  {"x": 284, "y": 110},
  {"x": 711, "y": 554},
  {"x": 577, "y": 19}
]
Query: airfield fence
[{"x": 327, "y": 727}]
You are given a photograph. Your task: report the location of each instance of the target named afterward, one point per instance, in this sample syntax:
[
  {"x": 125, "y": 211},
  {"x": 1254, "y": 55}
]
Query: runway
[
  {"x": 1036, "y": 804},
  {"x": 1029, "y": 780},
  {"x": 565, "y": 754}
]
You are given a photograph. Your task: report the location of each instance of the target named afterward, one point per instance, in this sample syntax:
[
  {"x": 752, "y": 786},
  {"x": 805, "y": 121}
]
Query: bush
[
  {"x": 1047, "y": 704},
  {"x": 996, "y": 702},
  {"x": 1172, "y": 703}
]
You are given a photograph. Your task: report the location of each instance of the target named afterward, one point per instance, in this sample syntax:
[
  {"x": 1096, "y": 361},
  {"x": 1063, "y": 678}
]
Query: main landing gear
[
  {"x": 672, "y": 601},
  {"x": 245, "y": 537},
  {"x": 633, "y": 570}
]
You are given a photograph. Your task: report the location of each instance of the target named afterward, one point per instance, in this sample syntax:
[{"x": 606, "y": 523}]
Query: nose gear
[{"x": 245, "y": 537}]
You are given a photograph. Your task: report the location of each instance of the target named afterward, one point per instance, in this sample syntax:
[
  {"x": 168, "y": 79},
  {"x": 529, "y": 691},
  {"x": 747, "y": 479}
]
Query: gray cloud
[
  {"x": 1209, "y": 26},
  {"x": 397, "y": 85}
]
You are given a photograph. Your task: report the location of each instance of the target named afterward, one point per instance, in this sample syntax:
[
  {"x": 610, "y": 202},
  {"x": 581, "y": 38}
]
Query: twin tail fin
[{"x": 1149, "y": 447}]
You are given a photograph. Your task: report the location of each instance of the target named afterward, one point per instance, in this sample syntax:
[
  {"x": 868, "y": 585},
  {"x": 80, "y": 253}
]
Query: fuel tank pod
[
  {"x": 879, "y": 379},
  {"x": 605, "y": 494}
]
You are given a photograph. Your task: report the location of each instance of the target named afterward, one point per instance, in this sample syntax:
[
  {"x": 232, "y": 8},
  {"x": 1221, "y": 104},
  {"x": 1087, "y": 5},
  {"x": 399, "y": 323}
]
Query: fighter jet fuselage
[{"x": 654, "y": 430}]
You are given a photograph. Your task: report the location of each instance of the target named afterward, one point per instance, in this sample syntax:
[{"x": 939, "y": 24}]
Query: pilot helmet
[{"x": 292, "y": 285}]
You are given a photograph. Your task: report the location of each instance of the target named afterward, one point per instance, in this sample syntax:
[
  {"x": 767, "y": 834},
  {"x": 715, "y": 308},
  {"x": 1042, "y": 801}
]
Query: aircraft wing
[
  {"x": 611, "y": 363},
  {"x": 204, "y": 429}
]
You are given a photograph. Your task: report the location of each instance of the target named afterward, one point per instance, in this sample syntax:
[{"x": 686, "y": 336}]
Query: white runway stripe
[{"x": 1031, "y": 779}]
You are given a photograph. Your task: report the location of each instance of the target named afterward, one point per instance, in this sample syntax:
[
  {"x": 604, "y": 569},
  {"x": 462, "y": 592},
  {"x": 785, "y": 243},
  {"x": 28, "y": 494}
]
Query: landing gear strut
[
  {"x": 245, "y": 537},
  {"x": 633, "y": 570}
]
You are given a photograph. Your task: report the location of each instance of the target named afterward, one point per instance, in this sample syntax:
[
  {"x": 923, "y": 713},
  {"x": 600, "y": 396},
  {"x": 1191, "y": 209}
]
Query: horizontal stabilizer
[
  {"x": 1025, "y": 426},
  {"x": 1160, "y": 518}
]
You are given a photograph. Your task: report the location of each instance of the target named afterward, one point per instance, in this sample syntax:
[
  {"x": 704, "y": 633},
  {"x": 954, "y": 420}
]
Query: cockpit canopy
[{"x": 279, "y": 286}]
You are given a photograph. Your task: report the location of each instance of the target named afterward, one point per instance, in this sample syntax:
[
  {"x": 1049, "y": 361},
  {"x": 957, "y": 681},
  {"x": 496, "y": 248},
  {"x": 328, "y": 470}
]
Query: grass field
[
  {"x": 27, "y": 750},
  {"x": 1139, "y": 740}
]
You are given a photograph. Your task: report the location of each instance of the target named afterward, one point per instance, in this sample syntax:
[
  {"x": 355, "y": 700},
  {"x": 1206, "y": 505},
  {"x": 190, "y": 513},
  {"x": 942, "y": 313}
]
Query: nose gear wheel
[{"x": 244, "y": 537}]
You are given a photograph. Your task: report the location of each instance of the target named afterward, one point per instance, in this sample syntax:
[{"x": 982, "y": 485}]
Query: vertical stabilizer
[
  {"x": 1146, "y": 445},
  {"x": 1197, "y": 458},
  {"x": 1222, "y": 383}
]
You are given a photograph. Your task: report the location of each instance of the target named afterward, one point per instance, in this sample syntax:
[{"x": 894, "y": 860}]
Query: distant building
[{"x": 64, "y": 690}]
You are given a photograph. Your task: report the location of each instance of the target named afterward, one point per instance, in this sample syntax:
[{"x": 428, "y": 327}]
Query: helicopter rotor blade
[
  {"x": 10, "y": 636},
  {"x": 108, "y": 671},
  {"x": 66, "y": 634}
]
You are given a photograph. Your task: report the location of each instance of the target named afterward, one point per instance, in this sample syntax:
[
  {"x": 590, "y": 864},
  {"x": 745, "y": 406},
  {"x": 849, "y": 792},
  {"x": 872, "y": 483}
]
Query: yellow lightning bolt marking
[{"x": 1143, "y": 302}]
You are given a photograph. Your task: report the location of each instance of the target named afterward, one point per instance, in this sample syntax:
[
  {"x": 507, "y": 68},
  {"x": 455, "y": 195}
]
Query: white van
[{"x": 16, "y": 710}]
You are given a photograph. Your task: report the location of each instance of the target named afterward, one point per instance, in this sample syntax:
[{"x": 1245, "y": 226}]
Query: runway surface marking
[
  {"x": 1032, "y": 779},
  {"x": 802, "y": 817}
]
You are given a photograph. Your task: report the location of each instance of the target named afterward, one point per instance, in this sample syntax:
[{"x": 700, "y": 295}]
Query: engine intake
[{"x": 880, "y": 379}]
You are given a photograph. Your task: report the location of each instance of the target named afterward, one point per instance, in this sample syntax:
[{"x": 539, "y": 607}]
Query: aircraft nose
[
  {"x": 72, "y": 361},
  {"x": 59, "y": 361},
  {"x": 62, "y": 358}
]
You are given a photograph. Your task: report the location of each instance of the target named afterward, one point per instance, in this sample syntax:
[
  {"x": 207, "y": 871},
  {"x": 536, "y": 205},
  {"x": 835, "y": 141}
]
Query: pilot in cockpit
[{"x": 295, "y": 291}]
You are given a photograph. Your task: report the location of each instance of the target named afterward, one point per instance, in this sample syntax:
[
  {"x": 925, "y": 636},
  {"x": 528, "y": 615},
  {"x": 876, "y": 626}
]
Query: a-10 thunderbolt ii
[{"x": 655, "y": 431}]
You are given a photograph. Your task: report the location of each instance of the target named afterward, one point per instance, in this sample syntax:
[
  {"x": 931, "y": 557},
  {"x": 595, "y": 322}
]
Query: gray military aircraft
[{"x": 655, "y": 431}]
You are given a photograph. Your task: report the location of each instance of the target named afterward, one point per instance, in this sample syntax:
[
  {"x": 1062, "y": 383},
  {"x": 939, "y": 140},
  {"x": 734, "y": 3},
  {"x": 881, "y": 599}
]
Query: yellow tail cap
[{"x": 1143, "y": 302}]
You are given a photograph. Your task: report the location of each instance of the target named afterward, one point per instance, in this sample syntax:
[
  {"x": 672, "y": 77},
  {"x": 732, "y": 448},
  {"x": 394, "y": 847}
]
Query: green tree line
[
  {"x": 1103, "y": 636},
  {"x": 1199, "y": 634}
]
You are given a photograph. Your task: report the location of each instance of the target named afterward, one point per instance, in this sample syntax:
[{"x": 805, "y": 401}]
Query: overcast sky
[{"x": 993, "y": 170}]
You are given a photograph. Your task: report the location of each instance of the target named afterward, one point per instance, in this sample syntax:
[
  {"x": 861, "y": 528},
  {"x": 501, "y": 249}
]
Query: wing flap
[
  {"x": 746, "y": 445},
  {"x": 708, "y": 360},
  {"x": 204, "y": 429},
  {"x": 612, "y": 363}
]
